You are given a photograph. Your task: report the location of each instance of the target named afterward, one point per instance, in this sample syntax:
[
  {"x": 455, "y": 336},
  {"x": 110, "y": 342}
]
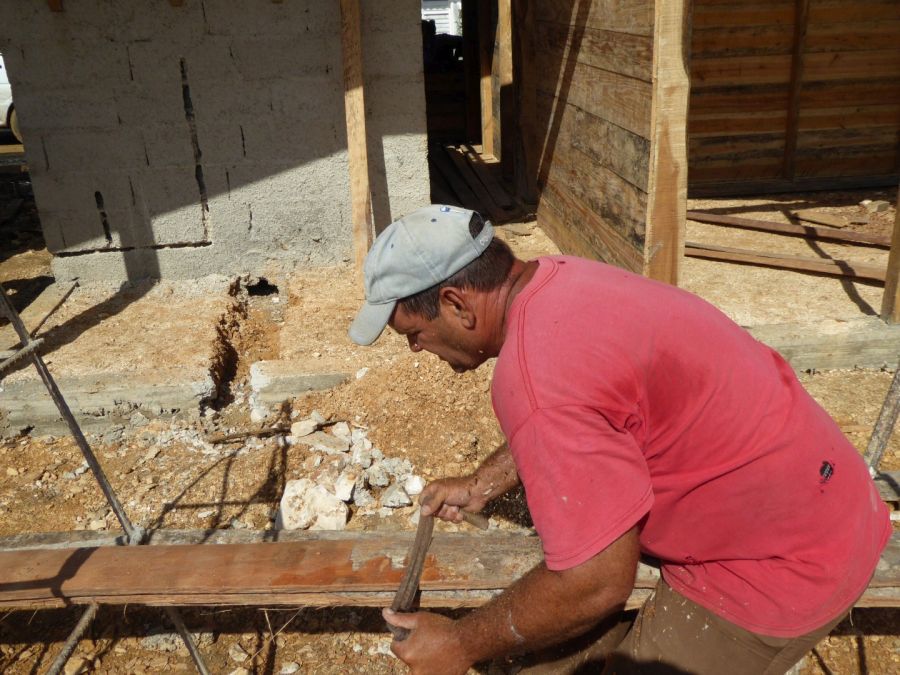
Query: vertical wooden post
[
  {"x": 473, "y": 72},
  {"x": 355, "y": 112},
  {"x": 890, "y": 302},
  {"x": 801, "y": 19},
  {"x": 507, "y": 95},
  {"x": 525, "y": 79},
  {"x": 667, "y": 184},
  {"x": 486, "y": 60}
]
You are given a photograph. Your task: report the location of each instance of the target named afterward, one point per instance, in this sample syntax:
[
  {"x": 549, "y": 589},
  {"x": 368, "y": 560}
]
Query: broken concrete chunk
[
  {"x": 877, "y": 206},
  {"x": 329, "y": 471},
  {"x": 341, "y": 430},
  {"x": 360, "y": 456},
  {"x": 327, "y": 443},
  {"x": 237, "y": 653},
  {"x": 362, "y": 497},
  {"x": 318, "y": 417},
  {"x": 345, "y": 484},
  {"x": 397, "y": 467},
  {"x": 395, "y": 497},
  {"x": 414, "y": 485},
  {"x": 306, "y": 505},
  {"x": 377, "y": 476},
  {"x": 303, "y": 428}
]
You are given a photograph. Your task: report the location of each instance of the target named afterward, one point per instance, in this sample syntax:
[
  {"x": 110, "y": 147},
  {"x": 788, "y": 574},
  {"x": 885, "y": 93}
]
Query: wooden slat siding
[
  {"x": 616, "y": 98},
  {"x": 579, "y": 231},
  {"x": 828, "y": 65},
  {"x": 752, "y": 186},
  {"x": 621, "y": 16},
  {"x": 874, "y": 91},
  {"x": 715, "y": 124},
  {"x": 854, "y": 35},
  {"x": 741, "y": 70},
  {"x": 621, "y": 53},
  {"x": 742, "y": 40},
  {"x": 773, "y": 12},
  {"x": 619, "y": 150},
  {"x": 848, "y": 11},
  {"x": 485, "y": 60},
  {"x": 618, "y": 203},
  {"x": 853, "y": 117},
  {"x": 725, "y": 100},
  {"x": 801, "y": 19},
  {"x": 505, "y": 132},
  {"x": 765, "y": 174},
  {"x": 890, "y": 302}
]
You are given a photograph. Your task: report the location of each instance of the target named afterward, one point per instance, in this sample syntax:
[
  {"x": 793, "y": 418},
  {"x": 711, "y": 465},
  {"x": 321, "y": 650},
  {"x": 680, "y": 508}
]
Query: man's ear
[{"x": 458, "y": 303}]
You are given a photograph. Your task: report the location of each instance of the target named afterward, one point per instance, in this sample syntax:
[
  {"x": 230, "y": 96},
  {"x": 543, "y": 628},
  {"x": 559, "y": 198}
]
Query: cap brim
[{"x": 370, "y": 322}]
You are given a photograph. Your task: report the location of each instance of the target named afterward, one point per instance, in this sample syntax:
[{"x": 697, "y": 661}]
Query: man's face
[{"x": 446, "y": 337}]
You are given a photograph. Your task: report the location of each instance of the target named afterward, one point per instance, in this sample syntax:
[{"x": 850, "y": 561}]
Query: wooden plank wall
[
  {"x": 594, "y": 93},
  {"x": 794, "y": 93}
]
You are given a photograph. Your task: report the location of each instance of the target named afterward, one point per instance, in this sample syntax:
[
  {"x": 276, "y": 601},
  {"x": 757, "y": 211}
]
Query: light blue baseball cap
[{"x": 418, "y": 251}]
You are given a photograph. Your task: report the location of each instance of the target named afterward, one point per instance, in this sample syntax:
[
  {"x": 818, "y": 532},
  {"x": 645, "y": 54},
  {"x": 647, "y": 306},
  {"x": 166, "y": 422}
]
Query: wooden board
[
  {"x": 623, "y": 16},
  {"x": 862, "y": 343},
  {"x": 841, "y": 268},
  {"x": 890, "y": 303},
  {"x": 814, "y": 216},
  {"x": 486, "y": 202},
  {"x": 808, "y": 231},
  {"x": 331, "y": 569},
  {"x": 485, "y": 171},
  {"x": 622, "y": 53},
  {"x": 441, "y": 162}
]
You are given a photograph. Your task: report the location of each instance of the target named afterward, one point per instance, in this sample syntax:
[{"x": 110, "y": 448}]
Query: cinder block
[
  {"x": 400, "y": 19},
  {"x": 302, "y": 224},
  {"x": 50, "y": 109},
  {"x": 149, "y": 103},
  {"x": 279, "y": 57},
  {"x": 155, "y": 22},
  {"x": 72, "y": 230},
  {"x": 115, "y": 149},
  {"x": 274, "y": 139},
  {"x": 76, "y": 190},
  {"x": 169, "y": 145},
  {"x": 224, "y": 102},
  {"x": 64, "y": 61},
  {"x": 249, "y": 17},
  {"x": 304, "y": 98},
  {"x": 169, "y": 199},
  {"x": 155, "y": 65}
]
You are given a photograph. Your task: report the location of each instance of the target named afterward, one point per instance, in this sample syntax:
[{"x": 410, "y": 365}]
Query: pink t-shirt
[{"x": 626, "y": 401}]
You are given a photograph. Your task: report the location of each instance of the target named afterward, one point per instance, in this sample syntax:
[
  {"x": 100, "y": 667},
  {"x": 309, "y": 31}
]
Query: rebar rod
[
  {"x": 884, "y": 426},
  {"x": 175, "y": 618},
  {"x": 134, "y": 533},
  {"x": 20, "y": 354},
  {"x": 72, "y": 640}
]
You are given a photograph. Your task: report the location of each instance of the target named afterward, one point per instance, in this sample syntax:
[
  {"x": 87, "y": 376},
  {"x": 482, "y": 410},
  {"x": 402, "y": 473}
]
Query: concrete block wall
[{"x": 177, "y": 142}]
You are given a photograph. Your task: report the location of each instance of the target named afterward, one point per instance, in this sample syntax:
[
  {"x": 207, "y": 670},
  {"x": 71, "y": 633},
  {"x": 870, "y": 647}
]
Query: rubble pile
[{"x": 344, "y": 469}]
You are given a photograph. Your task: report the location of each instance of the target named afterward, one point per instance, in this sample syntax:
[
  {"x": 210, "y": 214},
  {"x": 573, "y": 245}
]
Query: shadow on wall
[{"x": 210, "y": 137}]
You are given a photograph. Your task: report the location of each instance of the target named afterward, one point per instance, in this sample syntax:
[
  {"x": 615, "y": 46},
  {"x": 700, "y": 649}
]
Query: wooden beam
[
  {"x": 525, "y": 84},
  {"x": 667, "y": 184},
  {"x": 486, "y": 60},
  {"x": 328, "y": 569},
  {"x": 831, "y": 345},
  {"x": 841, "y": 268},
  {"x": 357, "y": 151},
  {"x": 890, "y": 302},
  {"x": 472, "y": 69},
  {"x": 485, "y": 199},
  {"x": 507, "y": 122},
  {"x": 792, "y": 229}
]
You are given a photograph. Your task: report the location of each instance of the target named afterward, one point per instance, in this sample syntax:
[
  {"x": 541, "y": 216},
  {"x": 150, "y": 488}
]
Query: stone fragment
[
  {"x": 345, "y": 484},
  {"x": 303, "y": 428},
  {"x": 138, "y": 419},
  {"x": 289, "y": 668},
  {"x": 306, "y": 505},
  {"x": 237, "y": 653},
  {"x": 318, "y": 417},
  {"x": 96, "y": 525},
  {"x": 312, "y": 462},
  {"x": 377, "y": 476},
  {"x": 877, "y": 206},
  {"x": 76, "y": 665},
  {"x": 327, "y": 443},
  {"x": 162, "y": 642},
  {"x": 395, "y": 497},
  {"x": 361, "y": 373},
  {"x": 329, "y": 471},
  {"x": 397, "y": 467},
  {"x": 362, "y": 497},
  {"x": 341, "y": 430},
  {"x": 414, "y": 485},
  {"x": 12, "y": 471},
  {"x": 360, "y": 456}
]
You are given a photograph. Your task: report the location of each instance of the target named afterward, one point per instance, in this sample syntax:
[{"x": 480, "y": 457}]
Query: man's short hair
[{"x": 487, "y": 272}]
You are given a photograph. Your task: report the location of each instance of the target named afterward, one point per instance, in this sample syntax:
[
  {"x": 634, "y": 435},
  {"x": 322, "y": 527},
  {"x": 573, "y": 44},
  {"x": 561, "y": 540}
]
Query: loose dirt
[{"x": 169, "y": 475}]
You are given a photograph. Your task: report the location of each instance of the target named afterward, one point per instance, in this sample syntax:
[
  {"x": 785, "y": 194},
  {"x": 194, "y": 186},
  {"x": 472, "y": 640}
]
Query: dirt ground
[{"x": 169, "y": 474}]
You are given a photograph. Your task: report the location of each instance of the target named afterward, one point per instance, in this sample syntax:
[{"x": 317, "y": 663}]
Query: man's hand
[
  {"x": 445, "y": 498},
  {"x": 434, "y": 646}
]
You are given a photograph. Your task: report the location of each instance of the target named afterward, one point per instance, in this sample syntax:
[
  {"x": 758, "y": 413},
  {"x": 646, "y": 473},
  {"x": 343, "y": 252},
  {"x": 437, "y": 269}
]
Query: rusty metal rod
[
  {"x": 72, "y": 640},
  {"x": 884, "y": 426}
]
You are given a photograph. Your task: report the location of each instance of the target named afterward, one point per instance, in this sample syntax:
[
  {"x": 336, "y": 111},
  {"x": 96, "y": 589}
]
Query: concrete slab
[
  {"x": 159, "y": 348},
  {"x": 272, "y": 382}
]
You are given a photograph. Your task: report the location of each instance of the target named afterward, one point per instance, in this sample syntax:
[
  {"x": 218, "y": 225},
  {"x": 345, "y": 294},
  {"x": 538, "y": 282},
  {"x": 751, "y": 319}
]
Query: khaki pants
[{"x": 672, "y": 635}]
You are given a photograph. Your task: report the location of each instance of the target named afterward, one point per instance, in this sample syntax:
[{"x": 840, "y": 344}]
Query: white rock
[
  {"x": 328, "y": 472},
  {"x": 327, "y": 443},
  {"x": 377, "y": 476},
  {"x": 414, "y": 485},
  {"x": 361, "y": 373},
  {"x": 399, "y": 468},
  {"x": 258, "y": 415},
  {"x": 76, "y": 665},
  {"x": 360, "y": 456},
  {"x": 306, "y": 505},
  {"x": 341, "y": 430},
  {"x": 362, "y": 497},
  {"x": 303, "y": 428},
  {"x": 318, "y": 417},
  {"x": 289, "y": 668},
  {"x": 96, "y": 525},
  {"x": 237, "y": 653},
  {"x": 395, "y": 497},
  {"x": 357, "y": 436},
  {"x": 345, "y": 484}
]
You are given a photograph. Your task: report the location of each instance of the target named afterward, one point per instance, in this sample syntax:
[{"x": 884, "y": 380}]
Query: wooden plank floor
[{"x": 461, "y": 570}]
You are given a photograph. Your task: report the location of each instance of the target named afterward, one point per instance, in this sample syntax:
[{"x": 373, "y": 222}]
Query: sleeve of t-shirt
[{"x": 586, "y": 482}]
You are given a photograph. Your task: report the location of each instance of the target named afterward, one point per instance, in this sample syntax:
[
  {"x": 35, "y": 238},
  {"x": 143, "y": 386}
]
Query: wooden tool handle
[{"x": 476, "y": 519}]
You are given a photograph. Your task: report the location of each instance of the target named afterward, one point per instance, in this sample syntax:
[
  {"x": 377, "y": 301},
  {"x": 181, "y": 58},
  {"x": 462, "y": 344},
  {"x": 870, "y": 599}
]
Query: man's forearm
[{"x": 496, "y": 475}]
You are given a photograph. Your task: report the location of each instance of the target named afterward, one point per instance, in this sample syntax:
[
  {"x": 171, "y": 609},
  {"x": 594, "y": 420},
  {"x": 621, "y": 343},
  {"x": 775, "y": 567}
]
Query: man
[{"x": 640, "y": 420}]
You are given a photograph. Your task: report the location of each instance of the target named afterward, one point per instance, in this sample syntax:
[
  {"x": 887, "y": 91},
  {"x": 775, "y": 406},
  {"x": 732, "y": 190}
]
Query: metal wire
[{"x": 72, "y": 640}]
